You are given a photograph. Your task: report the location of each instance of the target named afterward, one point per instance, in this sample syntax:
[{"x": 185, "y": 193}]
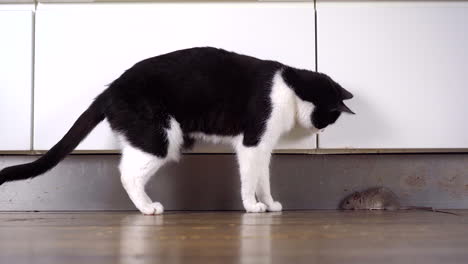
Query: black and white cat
[{"x": 165, "y": 103}]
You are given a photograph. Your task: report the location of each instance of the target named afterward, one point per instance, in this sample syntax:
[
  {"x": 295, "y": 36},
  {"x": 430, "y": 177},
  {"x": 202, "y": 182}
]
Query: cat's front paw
[
  {"x": 153, "y": 209},
  {"x": 255, "y": 208},
  {"x": 275, "y": 207}
]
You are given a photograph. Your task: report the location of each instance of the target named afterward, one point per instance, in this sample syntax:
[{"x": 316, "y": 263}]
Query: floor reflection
[
  {"x": 229, "y": 238},
  {"x": 255, "y": 237},
  {"x": 137, "y": 241}
]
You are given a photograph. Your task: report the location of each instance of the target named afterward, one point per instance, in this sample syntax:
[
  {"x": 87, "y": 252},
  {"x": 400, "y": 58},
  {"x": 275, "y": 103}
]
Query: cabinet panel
[
  {"x": 81, "y": 48},
  {"x": 406, "y": 65},
  {"x": 16, "y": 32}
]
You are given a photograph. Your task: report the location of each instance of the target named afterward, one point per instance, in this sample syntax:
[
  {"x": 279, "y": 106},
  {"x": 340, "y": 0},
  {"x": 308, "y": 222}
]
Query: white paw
[
  {"x": 255, "y": 208},
  {"x": 152, "y": 209},
  {"x": 275, "y": 207}
]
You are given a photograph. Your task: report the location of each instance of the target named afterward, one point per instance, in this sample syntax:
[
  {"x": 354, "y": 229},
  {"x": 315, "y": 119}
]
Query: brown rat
[{"x": 378, "y": 198}]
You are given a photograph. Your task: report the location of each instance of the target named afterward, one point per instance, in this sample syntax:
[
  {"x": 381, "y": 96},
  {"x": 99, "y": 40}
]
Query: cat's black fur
[{"x": 206, "y": 90}]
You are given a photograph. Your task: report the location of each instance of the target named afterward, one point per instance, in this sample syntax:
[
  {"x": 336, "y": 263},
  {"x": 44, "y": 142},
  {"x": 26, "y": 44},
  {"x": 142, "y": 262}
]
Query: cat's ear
[
  {"x": 345, "y": 95},
  {"x": 344, "y": 109}
]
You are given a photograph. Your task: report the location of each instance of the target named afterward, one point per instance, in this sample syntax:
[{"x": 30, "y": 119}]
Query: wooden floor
[{"x": 234, "y": 237}]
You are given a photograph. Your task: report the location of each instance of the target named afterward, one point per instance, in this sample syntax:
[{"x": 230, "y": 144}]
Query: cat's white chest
[
  {"x": 283, "y": 109},
  {"x": 283, "y": 104}
]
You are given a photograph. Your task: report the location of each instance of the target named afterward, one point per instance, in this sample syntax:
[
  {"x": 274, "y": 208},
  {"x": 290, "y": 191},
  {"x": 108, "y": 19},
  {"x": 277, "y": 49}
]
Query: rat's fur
[{"x": 378, "y": 198}]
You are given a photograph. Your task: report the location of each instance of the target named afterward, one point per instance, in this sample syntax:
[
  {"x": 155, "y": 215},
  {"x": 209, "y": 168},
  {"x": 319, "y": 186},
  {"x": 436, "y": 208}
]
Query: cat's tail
[{"x": 80, "y": 129}]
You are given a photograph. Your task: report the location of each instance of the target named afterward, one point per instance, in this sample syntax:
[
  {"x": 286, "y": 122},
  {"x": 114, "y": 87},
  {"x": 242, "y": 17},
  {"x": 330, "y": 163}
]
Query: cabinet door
[
  {"x": 406, "y": 64},
  {"x": 81, "y": 48},
  {"x": 15, "y": 79}
]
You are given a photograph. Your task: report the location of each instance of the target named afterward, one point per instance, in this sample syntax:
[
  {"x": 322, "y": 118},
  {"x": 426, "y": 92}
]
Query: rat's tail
[
  {"x": 80, "y": 129},
  {"x": 431, "y": 209}
]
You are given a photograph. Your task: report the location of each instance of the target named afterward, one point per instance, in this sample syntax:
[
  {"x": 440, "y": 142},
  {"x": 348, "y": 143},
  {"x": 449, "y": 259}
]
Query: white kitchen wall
[
  {"x": 80, "y": 48},
  {"x": 16, "y": 42},
  {"x": 404, "y": 61},
  {"x": 406, "y": 64}
]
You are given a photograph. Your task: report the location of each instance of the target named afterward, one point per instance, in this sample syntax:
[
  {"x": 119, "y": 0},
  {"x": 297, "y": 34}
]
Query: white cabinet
[
  {"x": 16, "y": 34},
  {"x": 80, "y": 48},
  {"x": 407, "y": 65}
]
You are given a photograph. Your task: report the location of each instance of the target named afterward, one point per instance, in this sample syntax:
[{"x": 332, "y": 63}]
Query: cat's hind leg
[{"x": 137, "y": 166}]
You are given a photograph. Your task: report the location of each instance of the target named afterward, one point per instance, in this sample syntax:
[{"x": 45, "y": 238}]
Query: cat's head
[{"x": 319, "y": 98}]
